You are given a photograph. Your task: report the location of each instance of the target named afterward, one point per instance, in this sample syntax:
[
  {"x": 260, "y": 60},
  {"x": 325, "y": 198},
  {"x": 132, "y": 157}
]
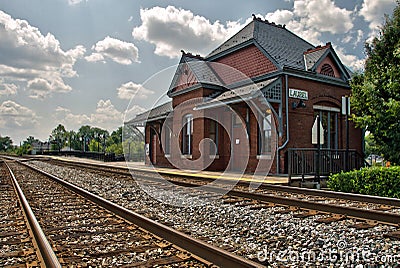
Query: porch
[{"x": 319, "y": 163}]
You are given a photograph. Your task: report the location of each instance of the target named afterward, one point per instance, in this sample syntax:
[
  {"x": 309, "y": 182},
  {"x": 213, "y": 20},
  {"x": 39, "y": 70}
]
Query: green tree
[
  {"x": 84, "y": 136},
  {"x": 5, "y": 143},
  {"x": 30, "y": 140},
  {"x": 89, "y": 135},
  {"x": 95, "y": 146},
  {"x": 58, "y": 137},
  {"x": 114, "y": 142},
  {"x": 370, "y": 145},
  {"x": 376, "y": 93}
]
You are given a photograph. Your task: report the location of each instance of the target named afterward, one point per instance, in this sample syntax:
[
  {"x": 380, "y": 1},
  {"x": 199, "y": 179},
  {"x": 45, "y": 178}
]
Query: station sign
[{"x": 298, "y": 94}]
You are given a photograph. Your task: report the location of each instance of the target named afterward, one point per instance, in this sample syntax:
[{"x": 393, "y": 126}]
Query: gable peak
[
  {"x": 190, "y": 55},
  {"x": 317, "y": 48},
  {"x": 255, "y": 18}
]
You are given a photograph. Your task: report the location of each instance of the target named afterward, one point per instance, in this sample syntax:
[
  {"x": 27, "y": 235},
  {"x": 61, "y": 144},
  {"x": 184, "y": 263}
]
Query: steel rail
[
  {"x": 197, "y": 247},
  {"x": 289, "y": 189},
  {"x": 385, "y": 217},
  {"x": 374, "y": 215},
  {"x": 48, "y": 256}
]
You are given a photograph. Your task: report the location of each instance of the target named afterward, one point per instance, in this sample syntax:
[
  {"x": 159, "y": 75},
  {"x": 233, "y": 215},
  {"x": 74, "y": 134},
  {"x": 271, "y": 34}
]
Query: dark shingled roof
[
  {"x": 281, "y": 45},
  {"x": 241, "y": 94},
  {"x": 159, "y": 112},
  {"x": 200, "y": 68}
]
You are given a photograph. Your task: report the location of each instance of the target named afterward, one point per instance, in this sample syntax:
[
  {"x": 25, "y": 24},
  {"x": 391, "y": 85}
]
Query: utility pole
[
  {"x": 346, "y": 112},
  {"x": 317, "y": 167}
]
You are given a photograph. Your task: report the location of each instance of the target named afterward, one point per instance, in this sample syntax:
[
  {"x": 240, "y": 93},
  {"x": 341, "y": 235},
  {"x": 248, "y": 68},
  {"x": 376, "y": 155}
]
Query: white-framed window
[
  {"x": 187, "y": 134},
  {"x": 167, "y": 140},
  {"x": 213, "y": 135},
  {"x": 330, "y": 125},
  {"x": 264, "y": 134}
]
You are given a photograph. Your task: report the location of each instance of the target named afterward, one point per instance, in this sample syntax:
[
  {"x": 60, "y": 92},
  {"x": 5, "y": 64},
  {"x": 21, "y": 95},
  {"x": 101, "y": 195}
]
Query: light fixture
[{"x": 301, "y": 104}]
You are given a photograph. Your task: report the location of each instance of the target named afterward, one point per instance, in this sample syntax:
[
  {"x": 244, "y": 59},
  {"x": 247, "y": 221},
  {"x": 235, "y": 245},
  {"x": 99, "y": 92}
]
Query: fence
[
  {"x": 106, "y": 157},
  {"x": 323, "y": 162}
]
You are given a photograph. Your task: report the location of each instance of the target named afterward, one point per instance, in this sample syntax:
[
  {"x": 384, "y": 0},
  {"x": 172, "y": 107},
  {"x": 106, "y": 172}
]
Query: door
[{"x": 239, "y": 144}]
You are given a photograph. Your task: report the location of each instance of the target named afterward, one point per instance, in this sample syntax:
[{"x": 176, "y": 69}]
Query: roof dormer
[{"x": 324, "y": 60}]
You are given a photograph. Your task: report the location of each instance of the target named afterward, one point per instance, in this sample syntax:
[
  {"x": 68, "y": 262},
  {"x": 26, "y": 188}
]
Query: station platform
[{"x": 140, "y": 166}]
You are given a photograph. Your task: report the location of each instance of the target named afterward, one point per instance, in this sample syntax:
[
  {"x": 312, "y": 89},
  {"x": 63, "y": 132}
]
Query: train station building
[{"x": 252, "y": 104}]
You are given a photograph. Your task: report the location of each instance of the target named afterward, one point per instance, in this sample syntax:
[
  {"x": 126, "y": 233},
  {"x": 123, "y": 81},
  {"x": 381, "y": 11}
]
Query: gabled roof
[
  {"x": 202, "y": 72},
  {"x": 280, "y": 45},
  {"x": 236, "y": 95},
  {"x": 315, "y": 56},
  {"x": 244, "y": 35},
  {"x": 159, "y": 112}
]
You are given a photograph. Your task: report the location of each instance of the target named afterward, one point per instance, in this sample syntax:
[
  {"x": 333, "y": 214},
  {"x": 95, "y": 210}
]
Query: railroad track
[
  {"x": 304, "y": 202},
  {"x": 17, "y": 248},
  {"x": 239, "y": 224},
  {"x": 82, "y": 230}
]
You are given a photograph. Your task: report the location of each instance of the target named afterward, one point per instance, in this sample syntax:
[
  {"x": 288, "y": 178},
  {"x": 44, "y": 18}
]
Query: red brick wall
[
  {"x": 301, "y": 120},
  {"x": 300, "y": 124},
  {"x": 249, "y": 60}
]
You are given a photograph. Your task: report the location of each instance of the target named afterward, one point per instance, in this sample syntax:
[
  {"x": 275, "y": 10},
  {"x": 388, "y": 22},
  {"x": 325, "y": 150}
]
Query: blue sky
[{"x": 80, "y": 62}]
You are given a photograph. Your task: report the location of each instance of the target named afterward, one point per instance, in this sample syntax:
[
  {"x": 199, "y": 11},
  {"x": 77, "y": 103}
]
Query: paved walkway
[{"x": 191, "y": 173}]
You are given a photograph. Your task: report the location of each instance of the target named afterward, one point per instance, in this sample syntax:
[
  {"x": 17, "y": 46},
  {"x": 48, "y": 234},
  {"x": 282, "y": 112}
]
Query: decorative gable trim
[
  {"x": 184, "y": 78},
  {"x": 327, "y": 51},
  {"x": 192, "y": 73},
  {"x": 273, "y": 91}
]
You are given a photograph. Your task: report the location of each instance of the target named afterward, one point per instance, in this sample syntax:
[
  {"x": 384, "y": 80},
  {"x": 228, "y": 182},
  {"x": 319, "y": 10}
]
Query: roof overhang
[{"x": 237, "y": 95}]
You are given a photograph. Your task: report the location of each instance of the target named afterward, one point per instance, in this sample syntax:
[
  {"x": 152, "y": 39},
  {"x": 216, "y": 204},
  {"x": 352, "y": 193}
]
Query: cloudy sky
[{"x": 81, "y": 62}]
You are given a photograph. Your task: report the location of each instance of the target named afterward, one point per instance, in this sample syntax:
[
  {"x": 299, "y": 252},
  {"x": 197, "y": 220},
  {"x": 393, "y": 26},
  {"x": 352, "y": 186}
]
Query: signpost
[{"x": 346, "y": 112}]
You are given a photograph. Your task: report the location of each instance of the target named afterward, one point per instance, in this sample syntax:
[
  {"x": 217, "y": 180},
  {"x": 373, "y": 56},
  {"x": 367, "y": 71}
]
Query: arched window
[
  {"x": 327, "y": 69},
  {"x": 187, "y": 134}
]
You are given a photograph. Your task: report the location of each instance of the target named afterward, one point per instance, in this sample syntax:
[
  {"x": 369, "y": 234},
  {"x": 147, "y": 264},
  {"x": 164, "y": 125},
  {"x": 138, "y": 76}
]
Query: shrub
[{"x": 381, "y": 181}]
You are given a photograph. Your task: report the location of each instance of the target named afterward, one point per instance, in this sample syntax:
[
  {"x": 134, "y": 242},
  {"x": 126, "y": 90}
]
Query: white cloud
[
  {"x": 132, "y": 111},
  {"x": 116, "y": 50},
  {"x": 294, "y": 24},
  {"x": 350, "y": 60},
  {"x": 106, "y": 116},
  {"x": 323, "y": 15},
  {"x": 172, "y": 29},
  {"x": 280, "y": 16},
  {"x": 7, "y": 89},
  {"x": 131, "y": 90},
  {"x": 40, "y": 88},
  {"x": 29, "y": 56},
  {"x": 373, "y": 12},
  {"x": 75, "y": 2},
  {"x": 14, "y": 116},
  {"x": 94, "y": 57},
  {"x": 309, "y": 18},
  {"x": 360, "y": 36},
  {"x": 347, "y": 39},
  {"x": 70, "y": 120},
  {"x": 357, "y": 36}
]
